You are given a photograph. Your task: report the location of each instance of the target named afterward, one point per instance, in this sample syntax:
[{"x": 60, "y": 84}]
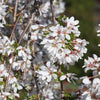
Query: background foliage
[{"x": 84, "y": 10}]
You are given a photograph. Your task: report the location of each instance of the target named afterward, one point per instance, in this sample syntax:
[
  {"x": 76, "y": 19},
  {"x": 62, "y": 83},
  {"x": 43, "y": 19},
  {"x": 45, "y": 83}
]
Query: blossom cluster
[
  {"x": 92, "y": 83},
  {"x": 8, "y": 82},
  {"x": 62, "y": 43},
  {"x": 18, "y": 63},
  {"x": 35, "y": 45}
]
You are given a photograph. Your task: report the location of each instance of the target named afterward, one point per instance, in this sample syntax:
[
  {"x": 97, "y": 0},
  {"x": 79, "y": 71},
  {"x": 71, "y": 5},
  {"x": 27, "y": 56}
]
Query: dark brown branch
[
  {"x": 61, "y": 85},
  {"x": 15, "y": 26},
  {"x": 37, "y": 88}
]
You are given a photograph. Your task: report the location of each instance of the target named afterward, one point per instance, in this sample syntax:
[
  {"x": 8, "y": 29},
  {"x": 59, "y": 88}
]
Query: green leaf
[
  {"x": 23, "y": 94},
  {"x": 67, "y": 95},
  {"x": 1, "y": 57},
  {"x": 21, "y": 19},
  {"x": 2, "y": 83},
  {"x": 15, "y": 44}
]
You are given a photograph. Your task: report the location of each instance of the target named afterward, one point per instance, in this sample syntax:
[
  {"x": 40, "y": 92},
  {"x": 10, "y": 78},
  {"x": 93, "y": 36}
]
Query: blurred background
[{"x": 88, "y": 13}]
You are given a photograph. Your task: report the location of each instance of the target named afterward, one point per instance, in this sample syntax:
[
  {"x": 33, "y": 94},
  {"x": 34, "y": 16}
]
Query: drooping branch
[
  {"x": 59, "y": 70},
  {"x": 15, "y": 26},
  {"x": 52, "y": 10},
  {"x": 34, "y": 73},
  {"x": 15, "y": 11},
  {"x": 29, "y": 23},
  {"x": 37, "y": 88}
]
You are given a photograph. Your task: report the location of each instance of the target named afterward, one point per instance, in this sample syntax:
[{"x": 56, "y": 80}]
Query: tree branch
[
  {"x": 15, "y": 11},
  {"x": 15, "y": 26},
  {"x": 6, "y": 84},
  {"x": 61, "y": 85},
  {"x": 52, "y": 10},
  {"x": 26, "y": 29}
]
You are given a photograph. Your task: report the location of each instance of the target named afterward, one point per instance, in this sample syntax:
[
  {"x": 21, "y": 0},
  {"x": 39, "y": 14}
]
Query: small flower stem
[
  {"x": 93, "y": 76},
  {"x": 1, "y": 34},
  {"x": 61, "y": 85},
  {"x": 15, "y": 26},
  {"x": 24, "y": 76},
  {"x": 52, "y": 10}
]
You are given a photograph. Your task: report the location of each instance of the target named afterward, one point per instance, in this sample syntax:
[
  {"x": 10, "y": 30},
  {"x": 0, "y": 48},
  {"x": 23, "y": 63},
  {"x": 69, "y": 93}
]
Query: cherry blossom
[
  {"x": 2, "y": 14},
  {"x": 33, "y": 52}
]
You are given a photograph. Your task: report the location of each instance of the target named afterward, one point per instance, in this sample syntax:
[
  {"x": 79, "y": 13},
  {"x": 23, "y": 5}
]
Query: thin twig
[
  {"x": 15, "y": 11},
  {"x": 6, "y": 84},
  {"x": 5, "y": 2},
  {"x": 1, "y": 34},
  {"x": 15, "y": 26},
  {"x": 52, "y": 10},
  {"x": 24, "y": 76},
  {"x": 93, "y": 76},
  {"x": 37, "y": 88},
  {"x": 26, "y": 29}
]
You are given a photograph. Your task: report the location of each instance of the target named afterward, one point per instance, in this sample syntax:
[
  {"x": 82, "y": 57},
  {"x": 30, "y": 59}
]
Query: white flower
[
  {"x": 16, "y": 87},
  {"x": 71, "y": 21},
  {"x": 2, "y": 14},
  {"x": 44, "y": 8},
  {"x": 24, "y": 53},
  {"x": 47, "y": 72},
  {"x": 12, "y": 79},
  {"x": 63, "y": 77},
  {"x": 86, "y": 96},
  {"x": 6, "y": 46},
  {"x": 35, "y": 35},
  {"x": 71, "y": 77},
  {"x": 59, "y": 6},
  {"x": 92, "y": 63},
  {"x": 86, "y": 81},
  {"x": 48, "y": 94},
  {"x": 96, "y": 86},
  {"x": 3, "y": 71},
  {"x": 60, "y": 47}
]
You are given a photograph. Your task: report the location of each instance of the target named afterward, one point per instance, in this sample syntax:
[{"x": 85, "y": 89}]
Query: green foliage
[
  {"x": 16, "y": 45},
  {"x": 34, "y": 97},
  {"x": 1, "y": 58},
  {"x": 59, "y": 19},
  {"x": 23, "y": 94},
  {"x": 2, "y": 83},
  {"x": 67, "y": 95},
  {"x": 21, "y": 19}
]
